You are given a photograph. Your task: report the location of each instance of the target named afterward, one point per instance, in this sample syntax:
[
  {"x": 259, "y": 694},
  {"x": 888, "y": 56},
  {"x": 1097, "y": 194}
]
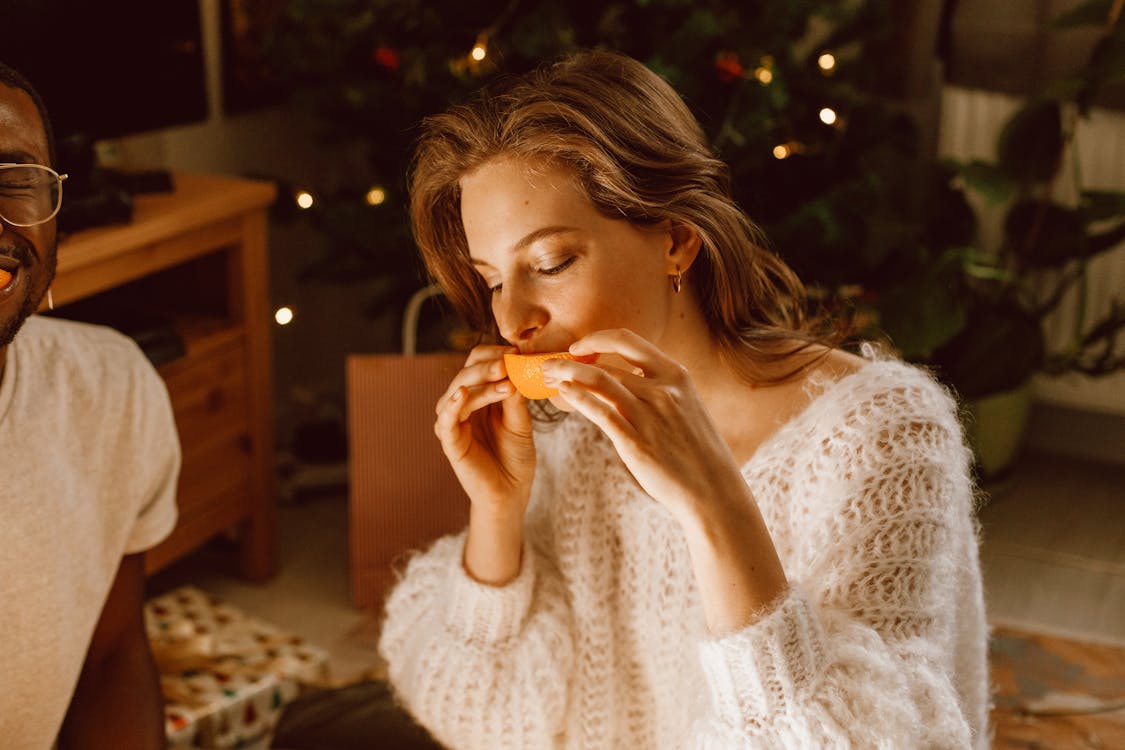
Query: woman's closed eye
[
  {"x": 550, "y": 270},
  {"x": 556, "y": 269}
]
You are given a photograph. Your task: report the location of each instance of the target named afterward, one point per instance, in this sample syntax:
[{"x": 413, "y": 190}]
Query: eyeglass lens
[{"x": 29, "y": 194}]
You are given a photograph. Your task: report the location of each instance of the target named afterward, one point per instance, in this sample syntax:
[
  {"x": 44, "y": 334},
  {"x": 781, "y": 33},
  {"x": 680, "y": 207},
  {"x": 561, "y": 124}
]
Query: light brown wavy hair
[{"x": 639, "y": 155}]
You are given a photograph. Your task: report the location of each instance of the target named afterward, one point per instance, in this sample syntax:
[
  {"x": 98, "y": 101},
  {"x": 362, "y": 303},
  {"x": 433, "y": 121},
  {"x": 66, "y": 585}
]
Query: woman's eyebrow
[{"x": 530, "y": 239}]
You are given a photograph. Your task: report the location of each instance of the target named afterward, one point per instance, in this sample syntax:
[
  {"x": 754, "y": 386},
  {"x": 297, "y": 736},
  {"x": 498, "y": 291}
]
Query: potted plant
[{"x": 998, "y": 297}]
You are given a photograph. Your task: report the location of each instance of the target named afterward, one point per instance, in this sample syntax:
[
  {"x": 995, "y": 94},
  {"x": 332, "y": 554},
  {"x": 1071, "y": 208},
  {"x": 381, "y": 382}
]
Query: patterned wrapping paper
[{"x": 225, "y": 675}]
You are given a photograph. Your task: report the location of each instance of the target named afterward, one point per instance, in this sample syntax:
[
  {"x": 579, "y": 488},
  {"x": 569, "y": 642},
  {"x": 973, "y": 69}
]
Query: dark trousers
[{"x": 363, "y": 716}]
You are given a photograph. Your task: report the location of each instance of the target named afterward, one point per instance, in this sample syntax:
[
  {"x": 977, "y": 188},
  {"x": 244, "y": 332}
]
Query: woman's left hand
[{"x": 656, "y": 421}]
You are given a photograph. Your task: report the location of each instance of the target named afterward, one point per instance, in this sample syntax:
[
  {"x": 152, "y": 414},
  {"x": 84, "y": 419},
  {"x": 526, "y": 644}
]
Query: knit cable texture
[{"x": 600, "y": 642}]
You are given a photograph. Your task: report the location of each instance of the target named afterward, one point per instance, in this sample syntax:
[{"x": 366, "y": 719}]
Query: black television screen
[{"x": 108, "y": 68}]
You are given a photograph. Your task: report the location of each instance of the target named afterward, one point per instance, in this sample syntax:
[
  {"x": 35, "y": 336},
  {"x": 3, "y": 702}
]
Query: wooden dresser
[{"x": 197, "y": 259}]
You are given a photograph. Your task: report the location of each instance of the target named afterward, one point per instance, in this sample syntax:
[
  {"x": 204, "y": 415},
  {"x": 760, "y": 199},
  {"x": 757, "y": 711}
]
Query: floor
[
  {"x": 1053, "y": 556},
  {"x": 1053, "y": 548}
]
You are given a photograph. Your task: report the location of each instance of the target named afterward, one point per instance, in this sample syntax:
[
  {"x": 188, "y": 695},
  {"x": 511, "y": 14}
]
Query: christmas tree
[{"x": 791, "y": 93}]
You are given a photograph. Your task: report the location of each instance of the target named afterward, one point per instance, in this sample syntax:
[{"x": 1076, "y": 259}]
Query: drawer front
[
  {"x": 209, "y": 400},
  {"x": 216, "y": 474}
]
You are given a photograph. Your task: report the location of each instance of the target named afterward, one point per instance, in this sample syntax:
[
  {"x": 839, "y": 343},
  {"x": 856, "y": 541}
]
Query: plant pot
[{"x": 996, "y": 426}]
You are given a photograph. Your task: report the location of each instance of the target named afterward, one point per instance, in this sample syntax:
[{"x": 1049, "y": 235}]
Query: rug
[{"x": 1054, "y": 693}]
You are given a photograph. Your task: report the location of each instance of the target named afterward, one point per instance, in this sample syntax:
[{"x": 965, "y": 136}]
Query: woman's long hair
[{"x": 640, "y": 155}]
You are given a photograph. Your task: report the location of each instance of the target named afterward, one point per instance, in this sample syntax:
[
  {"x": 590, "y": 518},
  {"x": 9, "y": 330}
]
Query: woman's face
[{"x": 557, "y": 268}]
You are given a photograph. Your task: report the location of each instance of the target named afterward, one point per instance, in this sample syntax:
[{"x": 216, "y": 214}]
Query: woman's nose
[{"x": 518, "y": 316}]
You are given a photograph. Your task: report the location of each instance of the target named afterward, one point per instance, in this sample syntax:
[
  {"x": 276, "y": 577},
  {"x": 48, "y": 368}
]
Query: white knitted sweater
[{"x": 600, "y": 642}]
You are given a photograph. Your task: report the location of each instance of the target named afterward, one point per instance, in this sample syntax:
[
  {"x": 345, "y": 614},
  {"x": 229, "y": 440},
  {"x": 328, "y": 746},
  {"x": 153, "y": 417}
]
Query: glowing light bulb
[
  {"x": 781, "y": 151},
  {"x": 827, "y": 61},
  {"x": 375, "y": 196},
  {"x": 304, "y": 199},
  {"x": 480, "y": 51},
  {"x": 827, "y": 116},
  {"x": 763, "y": 75},
  {"x": 283, "y": 316}
]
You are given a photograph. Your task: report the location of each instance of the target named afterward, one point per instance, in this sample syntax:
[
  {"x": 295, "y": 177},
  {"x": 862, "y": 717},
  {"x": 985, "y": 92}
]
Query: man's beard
[{"x": 30, "y": 304}]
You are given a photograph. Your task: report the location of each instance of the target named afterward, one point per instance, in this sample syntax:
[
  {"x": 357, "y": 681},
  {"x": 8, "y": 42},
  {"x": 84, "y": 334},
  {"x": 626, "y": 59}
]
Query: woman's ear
[{"x": 685, "y": 246}]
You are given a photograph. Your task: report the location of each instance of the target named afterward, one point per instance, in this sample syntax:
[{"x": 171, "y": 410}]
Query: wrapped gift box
[{"x": 225, "y": 675}]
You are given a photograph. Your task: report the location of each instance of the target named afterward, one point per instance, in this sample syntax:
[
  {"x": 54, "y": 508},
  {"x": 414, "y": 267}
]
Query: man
[{"x": 89, "y": 460}]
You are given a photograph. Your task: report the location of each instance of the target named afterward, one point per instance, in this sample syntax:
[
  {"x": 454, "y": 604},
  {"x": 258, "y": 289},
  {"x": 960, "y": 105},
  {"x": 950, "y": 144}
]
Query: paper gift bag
[{"x": 402, "y": 492}]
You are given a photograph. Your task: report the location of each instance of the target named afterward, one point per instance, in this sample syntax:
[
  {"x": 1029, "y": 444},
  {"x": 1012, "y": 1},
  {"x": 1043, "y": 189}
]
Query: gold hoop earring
[
  {"x": 677, "y": 281},
  {"x": 50, "y": 299}
]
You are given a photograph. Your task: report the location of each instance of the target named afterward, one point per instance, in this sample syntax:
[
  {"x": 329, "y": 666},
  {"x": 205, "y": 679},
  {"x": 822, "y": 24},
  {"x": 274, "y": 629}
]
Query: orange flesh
[
  {"x": 526, "y": 372},
  {"x": 5, "y": 278}
]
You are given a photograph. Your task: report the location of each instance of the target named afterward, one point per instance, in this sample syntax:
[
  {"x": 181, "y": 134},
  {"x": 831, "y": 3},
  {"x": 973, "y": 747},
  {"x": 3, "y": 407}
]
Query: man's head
[{"x": 28, "y": 253}]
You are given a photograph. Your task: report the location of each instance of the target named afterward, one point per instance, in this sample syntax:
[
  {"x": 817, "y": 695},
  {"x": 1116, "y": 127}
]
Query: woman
[{"x": 741, "y": 536}]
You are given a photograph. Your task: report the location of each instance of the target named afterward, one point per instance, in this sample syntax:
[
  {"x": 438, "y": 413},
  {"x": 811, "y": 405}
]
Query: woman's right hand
[{"x": 485, "y": 431}]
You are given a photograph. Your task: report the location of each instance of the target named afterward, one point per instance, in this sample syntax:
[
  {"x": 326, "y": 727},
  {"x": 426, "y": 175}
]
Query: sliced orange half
[{"x": 526, "y": 371}]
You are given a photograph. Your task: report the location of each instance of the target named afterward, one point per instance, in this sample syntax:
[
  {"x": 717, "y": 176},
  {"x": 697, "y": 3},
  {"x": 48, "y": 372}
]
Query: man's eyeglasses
[{"x": 30, "y": 194}]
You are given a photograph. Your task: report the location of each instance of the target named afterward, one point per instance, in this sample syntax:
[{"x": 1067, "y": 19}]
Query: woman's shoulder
[{"x": 866, "y": 395}]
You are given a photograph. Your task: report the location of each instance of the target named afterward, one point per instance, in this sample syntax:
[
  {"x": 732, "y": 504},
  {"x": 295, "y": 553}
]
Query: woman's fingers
[
  {"x": 485, "y": 364},
  {"x": 631, "y": 347},
  {"x": 465, "y": 400},
  {"x": 452, "y": 425},
  {"x": 606, "y": 415},
  {"x": 611, "y": 383}
]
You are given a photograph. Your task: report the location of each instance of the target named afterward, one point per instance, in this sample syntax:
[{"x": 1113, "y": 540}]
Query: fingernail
[
  {"x": 456, "y": 395},
  {"x": 505, "y": 387}
]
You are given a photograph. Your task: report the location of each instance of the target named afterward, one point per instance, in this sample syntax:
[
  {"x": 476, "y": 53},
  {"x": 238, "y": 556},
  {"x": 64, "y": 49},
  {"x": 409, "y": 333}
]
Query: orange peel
[{"x": 526, "y": 372}]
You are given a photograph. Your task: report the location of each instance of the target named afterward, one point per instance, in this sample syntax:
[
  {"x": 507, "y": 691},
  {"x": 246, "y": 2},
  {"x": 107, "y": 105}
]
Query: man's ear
[{"x": 685, "y": 246}]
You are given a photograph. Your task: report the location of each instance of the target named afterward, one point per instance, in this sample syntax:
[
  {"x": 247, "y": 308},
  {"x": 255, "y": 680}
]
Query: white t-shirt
[{"x": 89, "y": 459}]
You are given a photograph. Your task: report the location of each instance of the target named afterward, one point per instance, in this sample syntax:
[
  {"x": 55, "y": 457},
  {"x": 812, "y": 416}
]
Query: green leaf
[
  {"x": 1100, "y": 243},
  {"x": 924, "y": 313},
  {"x": 1111, "y": 56},
  {"x": 989, "y": 180},
  {"x": 998, "y": 349},
  {"x": 1044, "y": 235},
  {"x": 1100, "y": 205},
  {"x": 1089, "y": 13},
  {"x": 1105, "y": 67},
  {"x": 1031, "y": 143},
  {"x": 1067, "y": 88}
]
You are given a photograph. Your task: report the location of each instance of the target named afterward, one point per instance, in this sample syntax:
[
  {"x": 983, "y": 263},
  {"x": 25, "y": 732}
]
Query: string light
[
  {"x": 375, "y": 196},
  {"x": 787, "y": 149},
  {"x": 283, "y": 316},
  {"x": 480, "y": 50},
  {"x": 828, "y": 116},
  {"x": 304, "y": 199},
  {"x": 826, "y": 61},
  {"x": 764, "y": 71}
]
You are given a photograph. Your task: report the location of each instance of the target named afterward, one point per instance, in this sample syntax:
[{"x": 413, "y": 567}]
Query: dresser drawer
[
  {"x": 215, "y": 478},
  {"x": 209, "y": 399}
]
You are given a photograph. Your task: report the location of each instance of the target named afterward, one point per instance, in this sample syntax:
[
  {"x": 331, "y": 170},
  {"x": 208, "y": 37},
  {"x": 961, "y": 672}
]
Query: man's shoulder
[
  {"x": 71, "y": 340},
  {"x": 93, "y": 365}
]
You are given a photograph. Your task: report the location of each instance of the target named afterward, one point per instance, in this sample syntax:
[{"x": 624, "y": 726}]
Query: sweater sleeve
[
  {"x": 480, "y": 666},
  {"x": 860, "y": 653}
]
